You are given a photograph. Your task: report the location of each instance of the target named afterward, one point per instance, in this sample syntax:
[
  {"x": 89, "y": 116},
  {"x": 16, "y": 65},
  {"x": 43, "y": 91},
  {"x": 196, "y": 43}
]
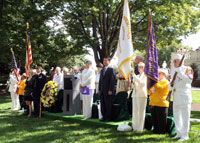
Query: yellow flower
[{"x": 47, "y": 99}]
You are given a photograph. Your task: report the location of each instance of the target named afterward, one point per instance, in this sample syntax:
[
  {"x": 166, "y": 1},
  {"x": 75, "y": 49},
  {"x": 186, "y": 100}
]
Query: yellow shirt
[
  {"x": 158, "y": 94},
  {"x": 22, "y": 85}
]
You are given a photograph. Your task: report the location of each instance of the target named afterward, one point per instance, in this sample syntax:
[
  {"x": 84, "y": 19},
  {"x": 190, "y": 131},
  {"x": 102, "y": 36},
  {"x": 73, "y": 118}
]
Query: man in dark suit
[
  {"x": 39, "y": 83},
  {"x": 106, "y": 89}
]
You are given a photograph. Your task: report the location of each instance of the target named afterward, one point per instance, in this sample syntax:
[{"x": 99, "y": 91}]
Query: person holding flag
[
  {"x": 13, "y": 83},
  {"x": 157, "y": 84},
  {"x": 182, "y": 97},
  {"x": 139, "y": 98}
]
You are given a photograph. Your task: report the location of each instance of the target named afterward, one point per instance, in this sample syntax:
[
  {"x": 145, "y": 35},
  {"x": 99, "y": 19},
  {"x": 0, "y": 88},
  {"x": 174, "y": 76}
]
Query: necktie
[{"x": 104, "y": 71}]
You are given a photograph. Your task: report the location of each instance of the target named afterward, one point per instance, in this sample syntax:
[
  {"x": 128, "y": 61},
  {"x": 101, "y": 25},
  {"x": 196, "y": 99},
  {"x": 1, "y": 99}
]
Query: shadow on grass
[
  {"x": 15, "y": 127},
  {"x": 5, "y": 99},
  {"x": 45, "y": 130},
  {"x": 195, "y": 114}
]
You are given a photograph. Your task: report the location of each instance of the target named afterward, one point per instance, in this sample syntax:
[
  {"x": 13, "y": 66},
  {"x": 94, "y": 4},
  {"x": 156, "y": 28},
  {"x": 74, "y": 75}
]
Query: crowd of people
[
  {"x": 107, "y": 83},
  {"x": 27, "y": 90}
]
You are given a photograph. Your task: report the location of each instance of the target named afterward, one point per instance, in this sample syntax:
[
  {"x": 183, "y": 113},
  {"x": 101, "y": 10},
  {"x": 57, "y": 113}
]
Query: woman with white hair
[
  {"x": 158, "y": 102},
  {"x": 87, "y": 89},
  {"x": 139, "y": 98},
  {"x": 12, "y": 89},
  {"x": 58, "y": 78},
  {"x": 65, "y": 71}
]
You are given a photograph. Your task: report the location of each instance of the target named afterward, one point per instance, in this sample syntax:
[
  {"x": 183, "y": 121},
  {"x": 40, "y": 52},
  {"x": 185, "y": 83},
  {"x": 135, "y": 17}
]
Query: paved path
[
  {"x": 195, "y": 89},
  {"x": 195, "y": 107}
]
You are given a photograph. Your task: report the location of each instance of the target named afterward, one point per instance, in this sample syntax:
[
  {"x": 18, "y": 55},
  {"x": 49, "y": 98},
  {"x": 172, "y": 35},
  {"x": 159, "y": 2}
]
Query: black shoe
[
  {"x": 102, "y": 120},
  {"x": 155, "y": 132},
  {"x": 107, "y": 120}
]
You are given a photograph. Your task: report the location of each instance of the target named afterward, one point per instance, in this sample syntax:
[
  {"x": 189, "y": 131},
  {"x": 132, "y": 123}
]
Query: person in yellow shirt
[
  {"x": 22, "y": 85},
  {"x": 159, "y": 105}
]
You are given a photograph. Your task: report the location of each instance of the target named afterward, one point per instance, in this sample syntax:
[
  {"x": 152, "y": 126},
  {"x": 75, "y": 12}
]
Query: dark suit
[
  {"x": 39, "y": 83},
  {"x": 107, "y": 83},
  {"x": 136, "y": 70}
]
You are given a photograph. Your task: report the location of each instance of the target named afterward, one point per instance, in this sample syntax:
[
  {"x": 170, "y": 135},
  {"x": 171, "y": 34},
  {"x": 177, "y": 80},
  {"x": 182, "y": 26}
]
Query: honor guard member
[
  {"x": 182, "y": 98},
  {"x": 39, "y": 83}
]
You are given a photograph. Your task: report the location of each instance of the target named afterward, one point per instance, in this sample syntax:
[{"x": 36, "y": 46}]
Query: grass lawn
[
  {"x": 195, "y": 96},
  {"x": 16, "y": 128}
]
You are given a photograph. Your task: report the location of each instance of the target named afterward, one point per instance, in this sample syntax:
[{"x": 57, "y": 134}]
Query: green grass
[
  {"x": 195, "y": 96},
  {"x": 16, "y": 128}
]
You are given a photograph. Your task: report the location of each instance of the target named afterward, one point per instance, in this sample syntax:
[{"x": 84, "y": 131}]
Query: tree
[
  {"x": 195, "y": 69},
  {"x": 48, "y": 45},
  {"x": 88, "y": 23},
  {"x": 164, "y": 53},
  {"x": 96, "y": 23}
]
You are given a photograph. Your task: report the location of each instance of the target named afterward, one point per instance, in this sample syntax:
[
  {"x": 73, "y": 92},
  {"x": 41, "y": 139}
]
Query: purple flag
[{"x": 151, "y": 60}]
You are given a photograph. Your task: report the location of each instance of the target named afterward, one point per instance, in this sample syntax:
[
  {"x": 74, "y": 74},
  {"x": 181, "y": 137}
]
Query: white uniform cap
[
  {"x": 177, "y": 57},
  {"x": 75, "y": 68},
  {"x": 165, "y": 71},
  {"x": 34, "y": 71},
  {"x": 141, "y": 64}
]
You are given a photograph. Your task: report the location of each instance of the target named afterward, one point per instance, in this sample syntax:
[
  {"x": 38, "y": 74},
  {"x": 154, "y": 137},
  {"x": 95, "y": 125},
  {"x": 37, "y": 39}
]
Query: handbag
[{"x": 85, "y": 90}]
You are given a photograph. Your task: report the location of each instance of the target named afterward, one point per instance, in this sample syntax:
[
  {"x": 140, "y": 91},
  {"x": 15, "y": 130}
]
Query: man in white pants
[
  {"x": 182, "y": 98},
  {"x": 12, "y": 89},
  {"x": 87, "y": 81}
]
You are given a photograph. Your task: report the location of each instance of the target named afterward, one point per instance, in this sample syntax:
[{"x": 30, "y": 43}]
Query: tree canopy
[
  {"x": 48, "y": 46},
  {"x": 89, "y": 24},
  {"x": 96, "y": 23}
]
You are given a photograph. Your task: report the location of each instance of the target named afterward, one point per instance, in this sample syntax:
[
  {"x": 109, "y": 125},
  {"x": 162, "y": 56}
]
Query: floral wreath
[{"x": 49, "y": 94}]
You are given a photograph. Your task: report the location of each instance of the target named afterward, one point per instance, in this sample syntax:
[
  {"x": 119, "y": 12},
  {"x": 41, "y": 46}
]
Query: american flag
[
  {"x": 16, "y": 71},
  {"x": 29, "y": 59}
]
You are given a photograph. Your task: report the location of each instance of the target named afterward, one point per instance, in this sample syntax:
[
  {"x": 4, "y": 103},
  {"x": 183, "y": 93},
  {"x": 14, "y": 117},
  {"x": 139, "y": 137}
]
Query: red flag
[{"x": 29, "y": 59}]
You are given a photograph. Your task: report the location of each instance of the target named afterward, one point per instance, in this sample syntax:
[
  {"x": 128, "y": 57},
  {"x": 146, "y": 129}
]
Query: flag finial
[
  {"x": 149, "y": 10},
  {"x": 27, "y": 25},
  {"x": 11, "y": 50}
]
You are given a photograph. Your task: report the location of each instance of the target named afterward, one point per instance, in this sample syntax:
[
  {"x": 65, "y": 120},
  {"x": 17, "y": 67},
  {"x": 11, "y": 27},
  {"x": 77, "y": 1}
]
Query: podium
[{"x": 71, "y": 100}]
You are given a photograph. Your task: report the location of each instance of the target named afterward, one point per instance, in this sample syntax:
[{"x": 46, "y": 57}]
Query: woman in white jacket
[
  {"x": 12, "y": 89},
  {"x": 58, "y": 78},
  {"x": 139, "y": 98},
  {"x": 87, "y": 89}
]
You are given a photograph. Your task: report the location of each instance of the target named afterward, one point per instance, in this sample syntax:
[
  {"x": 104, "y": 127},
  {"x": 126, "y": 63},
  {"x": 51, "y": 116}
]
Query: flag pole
[{"x": 40, "y": 115}]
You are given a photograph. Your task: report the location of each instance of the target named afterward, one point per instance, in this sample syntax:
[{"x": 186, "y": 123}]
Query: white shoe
[
  {"x": 15, "y": 109},
  {"x": 183, "y": 139},
  {"x": 21, "y": 111},
  {"x": 176, "y": 137}
]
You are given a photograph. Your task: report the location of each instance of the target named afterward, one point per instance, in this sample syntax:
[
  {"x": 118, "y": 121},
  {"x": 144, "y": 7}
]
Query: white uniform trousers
[
  {"x": 15, "y": 100},
  {"x": 87, "y": 104},
  {"x": 182, "y": 119},
  {"x": 138, "y": 112}
]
